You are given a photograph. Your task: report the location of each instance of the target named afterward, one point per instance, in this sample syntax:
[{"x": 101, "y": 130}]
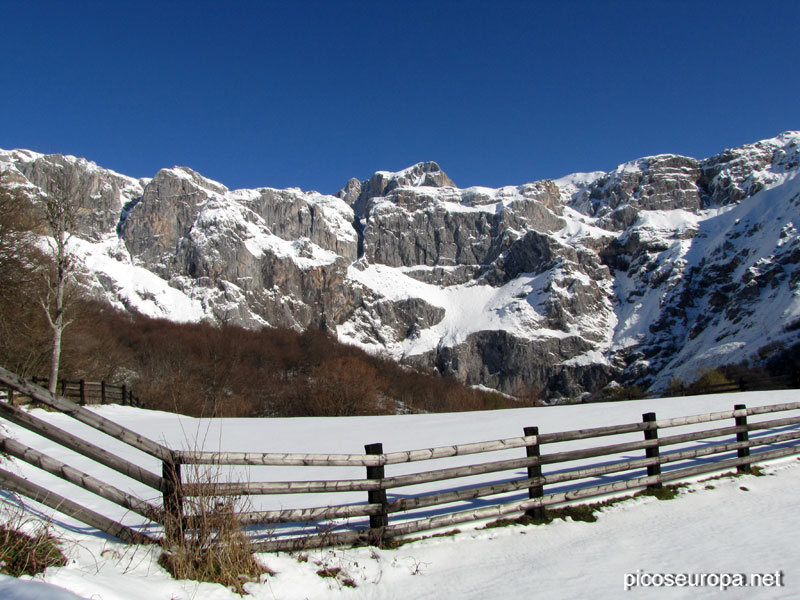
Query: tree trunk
[
  {"x": 57, "y": 323},
  {"x": 55, "y": 359}
]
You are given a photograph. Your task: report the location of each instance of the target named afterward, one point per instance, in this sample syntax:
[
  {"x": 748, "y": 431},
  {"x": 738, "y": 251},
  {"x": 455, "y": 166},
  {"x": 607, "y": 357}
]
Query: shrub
[
  {"x": 711, "y": 381},
  {"x": 675, "y": 387},
  {"x": 623, "y": 392},
  {"x": 208, "y": 543},
  {"x": 25, "y": 554},
  {"x": 345, "y": 386}
]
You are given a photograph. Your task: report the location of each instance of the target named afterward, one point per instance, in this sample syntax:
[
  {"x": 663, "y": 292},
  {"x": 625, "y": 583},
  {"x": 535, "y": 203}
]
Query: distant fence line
[
  {"x": 88, "y": 392},
  {"x": 742, "y": 384},
  {"x": 682, "y": 455}
]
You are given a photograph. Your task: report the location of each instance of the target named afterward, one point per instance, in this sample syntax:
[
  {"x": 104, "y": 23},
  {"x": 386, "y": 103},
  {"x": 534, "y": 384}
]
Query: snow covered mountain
[{"x": 657, "y": 269}]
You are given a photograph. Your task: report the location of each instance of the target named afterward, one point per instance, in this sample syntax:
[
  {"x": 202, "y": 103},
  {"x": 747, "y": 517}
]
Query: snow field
[{"x": 726, "y": 529}]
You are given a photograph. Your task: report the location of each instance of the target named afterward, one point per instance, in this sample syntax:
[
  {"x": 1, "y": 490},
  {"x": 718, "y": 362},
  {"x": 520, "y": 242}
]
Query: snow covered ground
[{"x": 728, "y": 526}]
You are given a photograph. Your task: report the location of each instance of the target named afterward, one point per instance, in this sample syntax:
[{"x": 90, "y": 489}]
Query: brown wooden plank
[
  {"x": 319, "y": 540},
  {"x": 728, "y": 414},
  {"x": 277, "y": 459},
  {"x": 307, "y": 515}
]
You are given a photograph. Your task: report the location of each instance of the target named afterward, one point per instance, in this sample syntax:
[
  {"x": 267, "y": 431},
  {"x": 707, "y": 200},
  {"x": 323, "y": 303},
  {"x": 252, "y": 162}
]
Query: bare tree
[
  {"x": 21, "y": 324},
  {"x": 60, "y": 211},
  {"x": 16, "y": 247}
]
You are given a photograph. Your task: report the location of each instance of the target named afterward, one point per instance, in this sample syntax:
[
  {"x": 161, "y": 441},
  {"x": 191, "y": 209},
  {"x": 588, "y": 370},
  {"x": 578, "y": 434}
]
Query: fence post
[
  {"x": 103, "y": 399},
  {"x": 535, "y": 470},
  {"x": 64, "y": 388},
  {"x": 381, "y": 520},
  {"x": 124, "y": 393},
  {"x": 653, "y": 451},
  {"x": 11, "y": 397},
  {"x": 82, "y": 400},
  {"x": 173, "y": 497},
  {"x": 742, "y": 436}
]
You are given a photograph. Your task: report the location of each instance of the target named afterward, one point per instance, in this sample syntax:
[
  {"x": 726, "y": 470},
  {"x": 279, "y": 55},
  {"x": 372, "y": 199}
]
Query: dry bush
[
  {"x": 28, "y": 547},
  {"x": 91, "y": 350},
  {"x": 623, "y": 392},
  {"x": 709, "y": 381},
  {"x": 675, "y": 387},
  {"x": 344, "y": 386},
  {"x": 24, "y": 331},
  {"x": 209, "y": 543}
]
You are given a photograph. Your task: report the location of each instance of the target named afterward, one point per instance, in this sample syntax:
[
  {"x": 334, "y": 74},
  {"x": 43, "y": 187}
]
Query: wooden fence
[
  {"x": 742, "y": 384},
  {"x": 543, "y": 473},
  {"x": 92, "y": 392},
  {"x": 10, "y": 481},
  {"x": 631, "y": 474}
]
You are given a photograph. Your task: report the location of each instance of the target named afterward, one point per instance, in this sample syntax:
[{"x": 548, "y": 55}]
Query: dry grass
[
  {"x": 209, "y": 543},
  {"x": 24, "y": 553}
]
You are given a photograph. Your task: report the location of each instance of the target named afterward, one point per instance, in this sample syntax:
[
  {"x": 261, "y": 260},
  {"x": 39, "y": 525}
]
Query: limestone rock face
[
  {"x": 166, "y": 214},
  {"x": 664, "y": 182},
  {"x": 425, "y": 174},
  {"x": 553, "y": 289},
  {"x": 449, "y": 227},
  {"x": 100, "y": 193},
  {"x": 738, "y": 173},
  {"x": 523, "y": 367},
  {"x": 283, "y": 253}
]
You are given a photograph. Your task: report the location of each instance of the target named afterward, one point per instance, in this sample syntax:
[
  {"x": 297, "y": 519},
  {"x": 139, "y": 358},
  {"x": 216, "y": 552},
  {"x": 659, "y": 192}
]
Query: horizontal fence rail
[{"x": 531, "y": 474}]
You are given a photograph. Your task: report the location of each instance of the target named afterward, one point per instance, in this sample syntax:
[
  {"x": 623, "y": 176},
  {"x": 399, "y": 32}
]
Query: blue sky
[{"x": 309, "y": 94}]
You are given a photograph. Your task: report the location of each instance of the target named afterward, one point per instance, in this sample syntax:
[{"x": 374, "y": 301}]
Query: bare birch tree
[{"x": 60, "y": 211}]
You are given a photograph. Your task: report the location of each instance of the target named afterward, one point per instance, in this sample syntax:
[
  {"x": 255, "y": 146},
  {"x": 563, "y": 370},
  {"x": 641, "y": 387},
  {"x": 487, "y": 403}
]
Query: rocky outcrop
[
  {"x": 283, "y": 253},
  {"x": 99, "y": 193},
  {"x": 165, "y": 215},
  {"x": 414, "y": 226},
  {"x": 664, "y": 182},
  {"x": 425, "y": 174},
  {"x": 523, "y": 367},
  {"x": 738, "y": 173}
]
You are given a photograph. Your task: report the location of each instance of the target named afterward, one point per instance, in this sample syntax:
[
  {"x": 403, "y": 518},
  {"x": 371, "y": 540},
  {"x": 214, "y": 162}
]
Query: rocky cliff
[{"x": 659, "y": 268}]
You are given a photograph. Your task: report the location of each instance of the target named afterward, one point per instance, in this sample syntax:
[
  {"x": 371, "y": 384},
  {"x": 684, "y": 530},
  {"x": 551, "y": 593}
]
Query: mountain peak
[
  {"x": 427, "y": 173},
  {"x": 423, "y": 174}
]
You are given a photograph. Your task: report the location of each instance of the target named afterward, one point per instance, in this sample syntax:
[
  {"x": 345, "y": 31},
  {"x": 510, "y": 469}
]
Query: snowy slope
[{"x": 691, "y": 534}]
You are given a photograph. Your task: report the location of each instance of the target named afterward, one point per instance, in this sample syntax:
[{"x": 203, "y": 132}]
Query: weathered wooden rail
[{"x": 548, "y": 470}]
